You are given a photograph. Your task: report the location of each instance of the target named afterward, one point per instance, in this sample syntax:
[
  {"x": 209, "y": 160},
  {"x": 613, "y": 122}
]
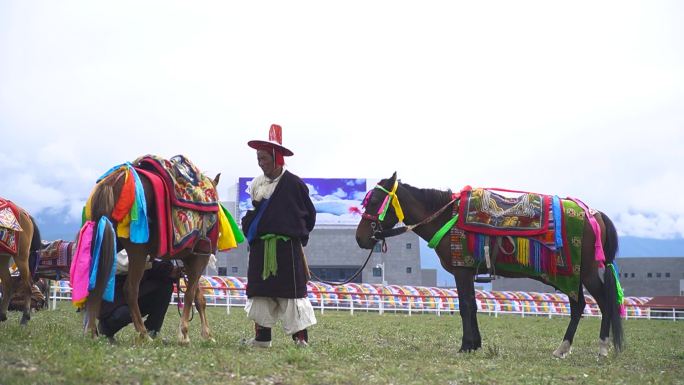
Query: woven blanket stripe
[
  {"x": 56, "y": 254},
  {"x": 188, "y": 187},
  {"x": 485, "y": 211},
  {"x": 8, "y": 241},
  {"x": 58, "y": 262}
]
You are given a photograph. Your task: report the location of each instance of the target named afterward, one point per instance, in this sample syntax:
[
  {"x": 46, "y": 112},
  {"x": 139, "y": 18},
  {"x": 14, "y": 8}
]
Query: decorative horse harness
[{"x": 393, "y": 199}]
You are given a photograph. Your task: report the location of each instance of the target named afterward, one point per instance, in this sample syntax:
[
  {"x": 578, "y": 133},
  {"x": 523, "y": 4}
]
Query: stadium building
[{"x": 639, "y": 277}]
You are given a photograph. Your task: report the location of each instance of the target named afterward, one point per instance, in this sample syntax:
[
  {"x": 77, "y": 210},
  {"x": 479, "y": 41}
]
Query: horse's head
[{"x": 379, "y": 211}]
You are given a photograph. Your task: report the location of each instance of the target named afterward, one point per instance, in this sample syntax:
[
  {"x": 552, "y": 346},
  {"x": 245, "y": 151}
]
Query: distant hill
[
  {"x": 648, "y": 247},
  {"x": 629, "y": 247}
]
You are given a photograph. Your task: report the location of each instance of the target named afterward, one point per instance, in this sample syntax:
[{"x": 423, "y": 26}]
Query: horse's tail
[
  {"x": 35, "y": 240},
  {"x": 611, "y": 287},
  {"x": 102, "y": 204},
  {"x": 34, "y": 248}
]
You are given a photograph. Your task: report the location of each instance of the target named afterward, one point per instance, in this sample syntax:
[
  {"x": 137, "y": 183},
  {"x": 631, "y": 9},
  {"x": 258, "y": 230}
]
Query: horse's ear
[
  {"x": 394, "y": 176},
  {"x": 216, "y": 179}
]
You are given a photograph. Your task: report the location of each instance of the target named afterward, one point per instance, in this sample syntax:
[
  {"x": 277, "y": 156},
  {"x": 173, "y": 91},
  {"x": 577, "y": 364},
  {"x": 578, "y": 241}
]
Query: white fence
[{"x": 410, "y": 304}]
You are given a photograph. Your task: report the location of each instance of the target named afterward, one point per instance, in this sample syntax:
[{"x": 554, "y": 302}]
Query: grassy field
[{"x": 365, "y": 348}]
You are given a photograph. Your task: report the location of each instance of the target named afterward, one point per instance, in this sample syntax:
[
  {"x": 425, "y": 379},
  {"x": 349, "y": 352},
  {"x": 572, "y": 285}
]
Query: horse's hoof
[
  {"x": 3, "y": 317},
  {"x": 563, "y": 350},
  {"x": 604, "y": 346},
  {"x": 24, "y": 320},
  {"x": 184, "y": 341},
  {"x": 142, "y": 339}
]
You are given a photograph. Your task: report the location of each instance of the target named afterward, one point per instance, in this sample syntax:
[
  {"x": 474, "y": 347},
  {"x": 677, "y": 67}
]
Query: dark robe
[
  {"x": 158, "y": 275},
  {"x": 290, "y": 212}
]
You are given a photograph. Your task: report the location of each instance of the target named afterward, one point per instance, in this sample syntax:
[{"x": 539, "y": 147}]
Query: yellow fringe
[{"x": 523, "y": 251}]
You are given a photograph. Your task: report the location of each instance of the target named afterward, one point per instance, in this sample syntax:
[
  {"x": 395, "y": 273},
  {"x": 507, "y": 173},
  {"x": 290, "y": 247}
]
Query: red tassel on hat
[
  {"x": 274, "y": 143},
  {"x": 275, "y": 134}
]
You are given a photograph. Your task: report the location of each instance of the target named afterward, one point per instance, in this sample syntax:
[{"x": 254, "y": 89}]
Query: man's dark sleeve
[{"x": 310, "y": 219}]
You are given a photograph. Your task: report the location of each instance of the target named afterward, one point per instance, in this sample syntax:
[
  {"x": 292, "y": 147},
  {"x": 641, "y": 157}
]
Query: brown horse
[
  {"x": 103, "y": 200},
  {"x": 27, "y": 241},
  {"x": 418, "y": 205}
]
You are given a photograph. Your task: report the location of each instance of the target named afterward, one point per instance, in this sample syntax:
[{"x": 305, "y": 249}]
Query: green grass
[{"x": 365, "y": 348}]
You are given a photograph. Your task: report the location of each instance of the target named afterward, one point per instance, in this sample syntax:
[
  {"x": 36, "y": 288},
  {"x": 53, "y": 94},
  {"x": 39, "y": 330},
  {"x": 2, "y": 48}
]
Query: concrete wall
[
  {"x": 648, "y": 277},
  {"x": 666, "y": 275}
]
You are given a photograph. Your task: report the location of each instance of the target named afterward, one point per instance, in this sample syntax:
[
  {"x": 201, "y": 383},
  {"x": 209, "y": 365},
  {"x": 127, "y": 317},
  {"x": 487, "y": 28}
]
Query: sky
[{"x": 581, "y": 99}]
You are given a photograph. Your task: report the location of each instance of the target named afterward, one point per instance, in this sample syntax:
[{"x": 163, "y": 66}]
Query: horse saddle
[
  {"x": 187, "y": 204},
  {"x": 56, "y": 254},
  {"x": 486, "y": 212},
  {"x": 9, "y": 225},
  {"x": 187, "y": 186}
]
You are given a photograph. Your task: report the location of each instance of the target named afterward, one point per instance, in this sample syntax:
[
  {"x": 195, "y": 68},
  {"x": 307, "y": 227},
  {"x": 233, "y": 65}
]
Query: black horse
[{"x": 421, "y": 208}]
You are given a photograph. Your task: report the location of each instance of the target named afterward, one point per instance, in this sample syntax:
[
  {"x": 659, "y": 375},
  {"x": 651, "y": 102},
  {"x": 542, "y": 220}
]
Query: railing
[{"x": 410, "y": 304}]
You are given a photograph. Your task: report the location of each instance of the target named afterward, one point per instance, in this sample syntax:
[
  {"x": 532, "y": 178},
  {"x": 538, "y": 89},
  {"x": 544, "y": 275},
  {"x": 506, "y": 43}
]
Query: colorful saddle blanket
[
  {"x": 54, "y": 259},
  {"x": 9, "y": 225},
  {"x": 186, "y": 204},
  {"x": 558, "y": 267},
  {"x": 484, "y": 211},
  {"x": 187, "y": 186}
]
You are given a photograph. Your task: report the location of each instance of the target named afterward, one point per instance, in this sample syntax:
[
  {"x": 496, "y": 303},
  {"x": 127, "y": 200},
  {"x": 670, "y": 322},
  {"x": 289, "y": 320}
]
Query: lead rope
[
  {"x": 382, "y": 234},
  {"x": 178, "y": 297},
  {"x": 311, "y": 273}
]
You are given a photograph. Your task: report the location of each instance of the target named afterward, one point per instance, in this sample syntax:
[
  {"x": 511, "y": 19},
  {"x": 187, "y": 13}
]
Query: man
[
  {"x": 156, "y": 288},
  {"x": 277, "y": 230}
]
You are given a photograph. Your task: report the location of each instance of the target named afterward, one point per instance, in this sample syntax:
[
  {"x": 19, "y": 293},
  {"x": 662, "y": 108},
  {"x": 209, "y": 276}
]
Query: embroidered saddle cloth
[
  {"x": 529, "y": 256},
  {"x": 187, "y": 186},
  {"x": 186, "y": 204},
  {"x": 9, "y": 225},
  {"x": 484, "y": 211},
  {"x": 54, "y": 259}
]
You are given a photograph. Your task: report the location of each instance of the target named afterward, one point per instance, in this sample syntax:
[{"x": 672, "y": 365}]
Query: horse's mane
[{"x": 432, "y": 198}]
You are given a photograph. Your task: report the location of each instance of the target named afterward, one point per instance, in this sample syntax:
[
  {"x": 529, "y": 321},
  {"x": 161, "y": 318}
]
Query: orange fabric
[{"x": 126, "y": 198}]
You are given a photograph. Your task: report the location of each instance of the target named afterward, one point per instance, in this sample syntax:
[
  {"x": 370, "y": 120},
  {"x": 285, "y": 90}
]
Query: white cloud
[
  {"x": 447, "y": 94},
  {"x": 339, "y": 193},
  {"x": 660, "y": 226}
]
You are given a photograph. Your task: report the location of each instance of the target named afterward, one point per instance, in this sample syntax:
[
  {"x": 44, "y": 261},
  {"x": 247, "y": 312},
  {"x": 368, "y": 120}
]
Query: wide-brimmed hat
[{"x": 275, "y": 141}]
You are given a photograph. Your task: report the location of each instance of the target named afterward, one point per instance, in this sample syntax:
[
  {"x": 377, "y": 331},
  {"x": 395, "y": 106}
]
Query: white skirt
[{"x": 295, "y": 313}]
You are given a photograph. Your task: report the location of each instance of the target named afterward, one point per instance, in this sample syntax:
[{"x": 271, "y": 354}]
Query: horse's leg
[
  {"x": 6, "y": 285},
  {"x": 136, "y": 267},
  {"x": 194, "y": 265},
  {"x": 22, "y": 261},
  {"x": 595, "y": 287},
  {"x": 201, "y": 306},
  {"x": 576, "y": 310},
  {"x": 467, "y": 307},
  {"x": 591, "y": 279}
]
